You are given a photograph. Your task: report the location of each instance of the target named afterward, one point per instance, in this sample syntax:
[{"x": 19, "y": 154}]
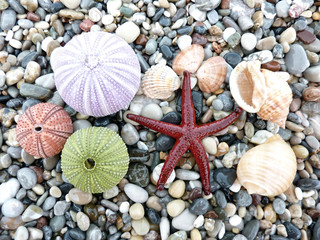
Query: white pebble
[
  {"x": 236, "y": 186},
  {"x": 107, "y": 19},
  {"x": 199, "y": 221},
  {"x": 124, "y": 207},
  {"x": 235, "y": 220},
  {"x": 9, "y": 189},
  {"x": 184, "y": 221},
  {"x": 136, "y": 193},
  {"x": 156, "y": 174},
  {"x": 152, "y": 111},
  {"x": 248, "y": 41},
  {"x": 164, "y": 228},
  {"x": 128, "y": 31},
  {"x": 184, "y": 41},
  {"x": 185, "y": 174},
  {"x": 21, "y": 233},
  {"x": 15, "y": 44},
  {"x": 228, "y": 32}
]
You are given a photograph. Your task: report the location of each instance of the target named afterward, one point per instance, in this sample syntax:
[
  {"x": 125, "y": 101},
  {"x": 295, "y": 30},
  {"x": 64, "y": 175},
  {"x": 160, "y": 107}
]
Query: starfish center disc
[{"x": 92, "y": 61}]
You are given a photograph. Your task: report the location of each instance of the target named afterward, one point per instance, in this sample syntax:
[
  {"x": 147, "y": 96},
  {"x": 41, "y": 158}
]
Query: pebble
[
  {"x": 31, "y": 213},
  {"x": 32, "y": 71},
  {"x": 210, "y": 145},
  {"x": 184, "y": 221},
  {"x": 197, "y": 14},
  {"x": 128, "y": 31},
  {"x": 136, "y": 193},
  {"x": 243, "y": 198},
  {"x": 279, "y": 206},
  {"x": 21, "y": 233},
  {"x": 251, "y": 229},
  {"x": 71, "y": 4},
  {"x": 141, "y": 226},
  {"x": 245, "y": 22},
  {"x": 312, "y": 74},
  {"x": 79, "y": 197},
  {"x": 83, "y": 221},
  {"x": 48, "y": 203},
  {"x": 136, "y": 211},
  {"x": 156, "y": 174},
  {"x": 8, "y": 19},
  {"x": 27, "y": 178},
  {"x": 12, "y": 208},
  {"x": 152, "y": 111},
  {"x": 177, "y": 189},
  {"x": 296, "y": 65},
  {"x": 225, "y": 177},
  {"x": 175, "y": 207},
  {"x": 57, "y": 223},
  {"x": 61, "y": 207},
  {"x": 129, "y": 134},
  {"x": 138, "y": 173},
  {"x": 248, "y": 41},
  {"x": 110, "y": 193}
]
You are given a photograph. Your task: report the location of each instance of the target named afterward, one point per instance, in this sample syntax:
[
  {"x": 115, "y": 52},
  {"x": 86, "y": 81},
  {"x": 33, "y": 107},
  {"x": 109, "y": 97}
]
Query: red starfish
[{"x": 188, "y": 136}]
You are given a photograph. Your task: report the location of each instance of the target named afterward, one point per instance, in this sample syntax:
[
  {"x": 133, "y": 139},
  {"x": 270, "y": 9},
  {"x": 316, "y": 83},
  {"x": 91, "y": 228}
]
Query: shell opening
[
  {"x": 91, "y": 61},
  {"x": 89, "y": 164},
  {"x": 37, "y": 128}
]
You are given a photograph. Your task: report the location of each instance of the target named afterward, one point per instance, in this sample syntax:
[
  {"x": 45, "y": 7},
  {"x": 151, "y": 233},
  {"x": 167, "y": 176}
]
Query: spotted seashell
[
  {"x": 159, "y": 82},
  {"x": 43, "y": 129},
  {"x": 96, "y": 73},
  {"x": 211, "y": 74},
  {"x": 189, "y": 59},
  {"x": 94, "y": 159}
]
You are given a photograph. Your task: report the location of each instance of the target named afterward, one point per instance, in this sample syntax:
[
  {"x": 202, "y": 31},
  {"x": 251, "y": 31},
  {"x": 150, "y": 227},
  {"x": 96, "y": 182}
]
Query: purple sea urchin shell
[{"x": 96, "y": 73}]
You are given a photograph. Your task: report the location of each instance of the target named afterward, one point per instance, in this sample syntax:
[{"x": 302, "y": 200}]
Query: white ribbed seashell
[
  {"x": 189, "y": 59},
  {"x": 96, "y": 73},
  {"x": 279, "y": 97},
  {"x": 159, "y": 82},
  {"x": 247, "y": 86},
  {"x": 268, "y": 169}
]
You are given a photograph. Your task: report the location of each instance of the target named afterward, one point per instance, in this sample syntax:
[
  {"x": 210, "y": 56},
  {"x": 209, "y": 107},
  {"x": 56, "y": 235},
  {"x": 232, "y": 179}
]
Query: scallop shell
[
  {"x": 96, "y": 73},
  {"x": 247, "y": 85},
  {"x": 43, "y": 129},
  {"x": 189, "y": 59},
  {"x": 211, "y": 74},
  {"x": 268, "y": 169},
  {"x": 279, "y": 97},
  {"x": 159, "y": 82},
  {"x": 94, "y": 159}
]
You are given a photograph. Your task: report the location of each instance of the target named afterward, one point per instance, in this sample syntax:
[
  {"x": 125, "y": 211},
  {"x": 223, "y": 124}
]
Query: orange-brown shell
[
  {"x": 279, "y": 98},
  {"x": 43, "y": 129},
  {"x": 188, "y": 59},
  {"x": 159, "y": 82},
  {"x": 211, "y": 74},
  {"x": 311, "y": 94}
]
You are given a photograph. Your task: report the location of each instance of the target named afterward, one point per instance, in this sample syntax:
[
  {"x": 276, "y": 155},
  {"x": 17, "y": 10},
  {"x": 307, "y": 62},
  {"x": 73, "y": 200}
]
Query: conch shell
[
  {"x": 276, "y": 106},
  {"x": 268, "y": 169},
  {"x": 261, "y": 91},
  {"x": 211, "y": 74},
  {"x": 159, "y": 82},
  {"x": 188, "y": 59},
  {"x": 247, "y": 86}
]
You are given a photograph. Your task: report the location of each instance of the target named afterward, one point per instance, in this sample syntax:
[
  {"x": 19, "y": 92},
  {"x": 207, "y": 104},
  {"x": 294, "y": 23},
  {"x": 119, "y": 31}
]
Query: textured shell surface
[
  {"x": 96, "y": 73},
  {"x": 211, "y": 74},
  {"x": 268, "y": 169},
  {"x": 247, "y": 86},
  {"x": 311, "y": 94},
  {"x": 94, "y": 159},
  {"x": 43, "y": 129},
  {"x": 279, "y": 97},
  {"x": 189, "y": 59},
  {"x": 159, "y": 82}
]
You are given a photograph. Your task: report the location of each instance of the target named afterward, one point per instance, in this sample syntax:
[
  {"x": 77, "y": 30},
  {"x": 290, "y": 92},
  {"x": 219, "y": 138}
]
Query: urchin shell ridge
[{"x": 108, "y": 152}]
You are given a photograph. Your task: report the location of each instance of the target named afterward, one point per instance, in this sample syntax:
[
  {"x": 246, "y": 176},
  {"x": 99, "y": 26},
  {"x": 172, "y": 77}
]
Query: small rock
[
  {"x": 129, "y": 134},
  {"x": 79, "y": 197},
  {"x": 83, "y": 221},
  {"x": 136, "y": 193},
  {"x": 128, "y": 31},
  {"x": 12, "y": 208},
  {"x": 184, "y": 221},
  {"x": 27, "y": 178},
  {"x": 31, "y": 213}
]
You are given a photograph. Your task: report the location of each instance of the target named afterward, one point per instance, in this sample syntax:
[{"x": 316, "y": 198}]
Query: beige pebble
[
  {"x": 195, "y": 234},
  {"x": 79, "y": 197},
  {"x": 312, "y": 56},
  {"x": 136, "y": 211},
  {"x": 68, "y": 13},
  {"x": 228, "y": 159},
  {"x": 177, "y": 189},
  {"x": 300, "y": 151},
  {"x": 260, "y": 212},
  {"x": 164, "y": 3},
  {"x": 129, "y": 31},
  {"x": 153, "y": 202},
  {"x": 55, "y": 192},
  {"x": 30, "y": 5},
  {"x": 210, "y": 145},
  {"x": 14, "y": 76},
  {"x": 288, "y": 35},
  {"x": 42, "y": 25},
  {"x": 38, "y": 189},
  {"x": 230, "y": 209},
  {"x": 32, "y": 71},
  {"x": 286, "y": 47},
  {"x": 15, "y": 43},
  {"x": 141, "y": 226},
  {"x": 295, "y": 210},
  {"x": 242, "y": 212},
  {"x": 266, "y": 43},
  {"x": 83, "y": 221},
  {"x": 294, "y": 127},
  {"x": 175, "y": 207},
  {"x": 71, "y": 4},
  {"x": 258, "y": 19},
  {"x": 281, "y": 230}
]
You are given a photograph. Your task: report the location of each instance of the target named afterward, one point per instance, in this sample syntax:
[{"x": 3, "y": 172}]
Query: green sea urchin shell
[{"x": 94, "y": 159}]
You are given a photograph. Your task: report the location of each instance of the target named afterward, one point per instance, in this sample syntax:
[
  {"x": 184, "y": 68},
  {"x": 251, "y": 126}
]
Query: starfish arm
[
  {"x": 188, "y": 114},
  {"x": 169, "y": 129},
  {"x": 200, "y": 155},
  {"x": 179, "y": 148},
  {"x": 214, "y": 127}
]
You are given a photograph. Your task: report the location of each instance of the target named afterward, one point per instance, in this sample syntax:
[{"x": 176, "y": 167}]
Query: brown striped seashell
[
  {"x": 247, "y": 86},
  {"x": 188, "y": 59},
  {"x": 261, "y": 169},
  {"x": 159, "y": 82},
  {"x": 211, "y": 74},
  {"x": 279, "y": 97},
  {"x": 311, "y": 94}
]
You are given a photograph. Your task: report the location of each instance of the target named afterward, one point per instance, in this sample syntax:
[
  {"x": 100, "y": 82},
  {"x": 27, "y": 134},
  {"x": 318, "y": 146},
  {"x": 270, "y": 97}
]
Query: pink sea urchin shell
[
  {"x": 43, "y": 129},
  {"x": 96, "y": 73}
]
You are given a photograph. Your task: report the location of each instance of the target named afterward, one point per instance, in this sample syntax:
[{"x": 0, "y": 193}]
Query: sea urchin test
[{"x": 96, "y": 73}]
